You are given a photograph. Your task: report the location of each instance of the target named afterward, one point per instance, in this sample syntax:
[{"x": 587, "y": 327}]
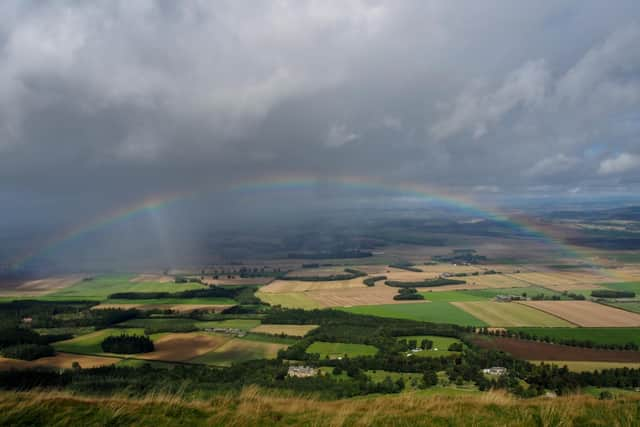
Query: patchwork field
[
  {"x": 90, "y": 343},
  {"x": 586, "y": 313},
  {"x": 60, "y": 360},
  {"x": 334, "y": 350},
  {"x": 442, "y": 312},
  {"x": 503, "y": 314},
  {"x": 238, "y": 350},
  {"x": 99, "y": 288},
  {"x": 534, "y": 350},
  {"x": 290, "y": 330},
  {"x": 367, "y": 295},
  {"x": 619, "y": 336}
]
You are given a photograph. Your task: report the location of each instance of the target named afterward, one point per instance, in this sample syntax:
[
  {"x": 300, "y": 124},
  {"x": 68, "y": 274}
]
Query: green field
[
  {"x": 100, "y": 288},
  {"x": 624, "y": 286},
  {"x": 439, "y": 343},
  {"x": 597, "y": 335},
  {"x": 90, "y": 343},
  {"x": 629, "y": 306},
  {"x": 289, "y": 300},
  {"x": 452, "y": 296},
  {"x": 584, "y": 366},
  {"x": 239, "y": 350},
  {"x": 244, "y": 324},
  {"x": 438, "y": 312},
  {"x": 333, "y": 350}
]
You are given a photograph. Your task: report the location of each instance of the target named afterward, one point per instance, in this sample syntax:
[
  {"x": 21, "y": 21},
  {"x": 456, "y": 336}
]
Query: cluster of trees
[
  {"x": 243, "y": 294},
  {"x": 371, "y": 281},
  {"x": 408, "y": 294},
  {"x": 61, "y": 314},
  {"x": 349, "y": 273},
  {"x": 26, "y": 344},
  {"x": 429, "y": 283},
  {"x": 425, "y": 344},
  {"x": 405, "y": 266},
  {"x": 127, "y": 344},
  {"x": 566, "y": 341},
  {"x": 606, "y": 293}
]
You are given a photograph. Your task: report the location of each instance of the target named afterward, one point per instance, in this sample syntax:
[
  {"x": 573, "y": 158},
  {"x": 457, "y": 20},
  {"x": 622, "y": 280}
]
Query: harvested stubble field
[
  {"x": 289, "y": 299},
  {"x": 587, "y": 313},
  {"x": 506, "y": 314},
  {"x": 60, "y": 361},
  {"x": 290, "y": 330},
  {"x": 534, "y": 350},
  {"x": 288, "y": 286},
  {"x": 494, "y": 281},
  {"x": 561, "y": 281},
  {"x": 270, "y": 408},
  {"x": 366, "y": 295}
]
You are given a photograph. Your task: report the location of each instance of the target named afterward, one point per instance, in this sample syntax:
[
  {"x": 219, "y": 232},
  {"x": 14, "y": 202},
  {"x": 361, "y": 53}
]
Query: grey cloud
[{"x": 144, "y": 97}]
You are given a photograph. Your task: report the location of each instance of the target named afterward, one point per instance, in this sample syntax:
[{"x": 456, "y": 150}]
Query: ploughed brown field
[
  {"x": 533, "y": 350},
  {"x": 587, "y": 313},
  {"x": 181, "y": 347}
]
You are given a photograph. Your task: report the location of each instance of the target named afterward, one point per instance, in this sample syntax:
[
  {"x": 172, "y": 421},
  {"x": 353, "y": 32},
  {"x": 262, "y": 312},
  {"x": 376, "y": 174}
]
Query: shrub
[{"x": 605, "y": 293}]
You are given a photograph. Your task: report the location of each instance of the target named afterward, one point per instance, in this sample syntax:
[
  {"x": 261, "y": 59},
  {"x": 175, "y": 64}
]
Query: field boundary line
[{"x": 549, "y": 313}]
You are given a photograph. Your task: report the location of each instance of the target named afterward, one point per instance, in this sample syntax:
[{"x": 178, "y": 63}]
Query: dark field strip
[
  {"x": 619, "y": 336},
  {"x": 533, "y": 350}
]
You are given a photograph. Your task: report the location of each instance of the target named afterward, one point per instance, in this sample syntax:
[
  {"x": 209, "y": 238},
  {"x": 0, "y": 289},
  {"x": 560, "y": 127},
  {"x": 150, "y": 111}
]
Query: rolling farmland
[{"x": 504, "y": 314}]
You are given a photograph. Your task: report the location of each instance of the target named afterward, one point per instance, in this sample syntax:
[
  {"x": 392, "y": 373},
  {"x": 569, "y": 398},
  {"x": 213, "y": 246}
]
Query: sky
[{"x": 105, "y": 102}]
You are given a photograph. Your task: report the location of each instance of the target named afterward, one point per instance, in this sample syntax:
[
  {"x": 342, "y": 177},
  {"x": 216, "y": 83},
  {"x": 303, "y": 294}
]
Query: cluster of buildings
[
  {"x": 302, "y": 371},
  {"x": 228, "y": 331},
  {"x": 495, "y": 370}
]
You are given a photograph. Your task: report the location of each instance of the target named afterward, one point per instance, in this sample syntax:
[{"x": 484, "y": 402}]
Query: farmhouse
[
  {"x": 495, "y": 370},
  {"x": 301, "y": 371}
]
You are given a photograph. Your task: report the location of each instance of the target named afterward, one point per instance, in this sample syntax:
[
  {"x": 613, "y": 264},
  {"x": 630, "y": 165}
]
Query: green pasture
[
  {"x": 435, "y": 312},
  {"x": 334, "y": 350}
]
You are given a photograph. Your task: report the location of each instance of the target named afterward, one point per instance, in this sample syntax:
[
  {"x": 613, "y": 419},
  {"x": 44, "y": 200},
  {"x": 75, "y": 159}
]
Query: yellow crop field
[
  {"x": 587, "y": 313},
  {"x": 291, "y": 330},
  {"x": 505, "y": 314}
]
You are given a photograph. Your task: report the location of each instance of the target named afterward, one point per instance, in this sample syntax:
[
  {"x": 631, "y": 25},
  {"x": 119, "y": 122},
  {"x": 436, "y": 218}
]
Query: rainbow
[{"x": 286, "y": 183}]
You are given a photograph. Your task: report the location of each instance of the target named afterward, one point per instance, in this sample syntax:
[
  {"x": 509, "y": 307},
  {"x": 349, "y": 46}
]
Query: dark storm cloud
[{"x": 132, "y": 97}]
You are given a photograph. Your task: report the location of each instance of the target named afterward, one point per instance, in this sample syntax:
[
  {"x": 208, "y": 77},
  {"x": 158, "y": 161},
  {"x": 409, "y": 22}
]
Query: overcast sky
[{"x": 140, "y": 97}]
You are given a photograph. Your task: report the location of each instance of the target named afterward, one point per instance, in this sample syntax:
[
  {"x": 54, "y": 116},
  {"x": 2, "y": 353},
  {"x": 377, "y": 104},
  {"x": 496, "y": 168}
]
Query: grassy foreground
[{"x": 257, "y": 407}]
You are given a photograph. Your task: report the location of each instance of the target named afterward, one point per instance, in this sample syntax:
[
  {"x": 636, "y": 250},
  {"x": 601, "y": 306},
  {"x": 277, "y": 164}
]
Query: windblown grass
[{"x": 257, "y": 407}]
